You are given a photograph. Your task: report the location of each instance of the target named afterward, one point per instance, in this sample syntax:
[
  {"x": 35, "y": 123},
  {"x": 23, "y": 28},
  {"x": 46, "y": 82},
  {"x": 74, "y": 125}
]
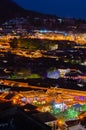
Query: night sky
[{"x": 63, "y": 8}]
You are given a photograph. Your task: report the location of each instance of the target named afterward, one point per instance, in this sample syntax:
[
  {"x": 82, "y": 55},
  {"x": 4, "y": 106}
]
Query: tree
[
  {"x": 55, "y": 111},
  {"x": 14, "y": 43},
  {"x": 83, "y": 108},
  {"x": 71, "y": 113},
  {"x": 32, "y": 76}
]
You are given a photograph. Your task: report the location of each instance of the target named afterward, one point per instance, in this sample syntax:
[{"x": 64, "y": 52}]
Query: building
[{"x": 47, "y": 118}]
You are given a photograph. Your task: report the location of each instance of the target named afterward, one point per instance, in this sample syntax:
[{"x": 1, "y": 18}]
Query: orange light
[
  {"x": 14, "y": 101},
  {"x": 60, "y": 122}
]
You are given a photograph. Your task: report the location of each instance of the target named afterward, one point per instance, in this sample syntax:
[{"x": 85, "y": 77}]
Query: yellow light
[
  {"x": 60, "y": 122},
  {"x": 14, "y": 101}
]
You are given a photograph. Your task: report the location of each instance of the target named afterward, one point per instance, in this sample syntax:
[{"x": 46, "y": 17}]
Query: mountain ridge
[{"x": 10, "y": 9}]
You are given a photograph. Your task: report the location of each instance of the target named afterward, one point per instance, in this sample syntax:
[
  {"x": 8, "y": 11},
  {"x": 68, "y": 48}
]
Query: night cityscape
[{"x": 42, "y": 65}]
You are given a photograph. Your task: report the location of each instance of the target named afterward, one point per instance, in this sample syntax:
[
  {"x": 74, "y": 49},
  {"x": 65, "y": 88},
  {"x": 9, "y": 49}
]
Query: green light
[
  {"x": 55, "y": 111},
  {"x": 83, "y": 108},
  {"x": 71, "y": 113}
]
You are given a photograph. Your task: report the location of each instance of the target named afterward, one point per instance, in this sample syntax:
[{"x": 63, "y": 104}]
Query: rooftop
[{"x": 44, "y": 117}]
